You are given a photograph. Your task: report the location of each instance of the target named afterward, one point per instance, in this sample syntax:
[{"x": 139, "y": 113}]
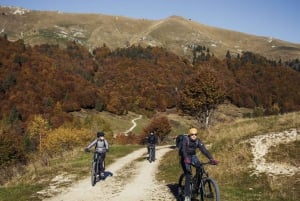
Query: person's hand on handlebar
[
  {"x": 214, "y": 162},
  {"x": 187, "y": 160},
  {"x": 86, "y": 150}
]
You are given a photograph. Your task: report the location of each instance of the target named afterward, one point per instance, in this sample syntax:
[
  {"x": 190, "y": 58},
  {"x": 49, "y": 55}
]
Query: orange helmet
[{"x": 193, "y": 131}]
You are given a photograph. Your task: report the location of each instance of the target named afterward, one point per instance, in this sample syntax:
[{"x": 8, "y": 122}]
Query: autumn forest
[{"x": 51, "y": 81}]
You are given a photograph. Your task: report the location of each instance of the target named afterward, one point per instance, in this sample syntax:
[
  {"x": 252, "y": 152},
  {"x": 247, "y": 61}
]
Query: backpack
[{"x": 179, "y": 142}]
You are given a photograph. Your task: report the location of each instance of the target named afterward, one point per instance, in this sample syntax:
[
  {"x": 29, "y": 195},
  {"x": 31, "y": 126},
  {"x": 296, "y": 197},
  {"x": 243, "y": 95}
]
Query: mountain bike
[
  {"x": 96, "y": 175},
  {"x": 151, "y": 153},
  {"x": 202, "y": 186}
]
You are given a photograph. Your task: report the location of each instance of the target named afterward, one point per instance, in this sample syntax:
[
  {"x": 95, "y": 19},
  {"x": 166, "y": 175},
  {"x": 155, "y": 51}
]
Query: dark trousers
[
  {"x": 101, "y": 156},
  {"x": 148, "y": 148},
  {"x": 187, "y": 169}
]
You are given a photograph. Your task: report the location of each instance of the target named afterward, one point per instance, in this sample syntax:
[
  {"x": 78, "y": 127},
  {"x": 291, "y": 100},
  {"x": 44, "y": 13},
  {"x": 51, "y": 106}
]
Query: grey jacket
[{"x": 101, "y": 146}]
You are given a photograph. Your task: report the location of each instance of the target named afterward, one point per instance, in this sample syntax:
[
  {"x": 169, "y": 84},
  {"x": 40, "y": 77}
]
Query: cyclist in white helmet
[{"x": 101, "y": 147}]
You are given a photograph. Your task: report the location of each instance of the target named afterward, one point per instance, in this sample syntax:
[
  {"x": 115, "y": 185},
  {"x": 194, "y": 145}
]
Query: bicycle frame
[
  {"x": 151, "y": 153},
  {"x": 201, "y": 185},
  {"x": 95, "y": 171},
  {"x": 202, "y": 175}
]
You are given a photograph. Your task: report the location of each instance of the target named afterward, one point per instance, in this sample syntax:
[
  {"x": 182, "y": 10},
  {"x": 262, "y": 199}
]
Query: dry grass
[
  {"x": 226, "y": 141},
  {"x": 73, "y": 165},
  {"x": 120, "y": 124},
  {"x": 286, "y": 153},
  {"x": 173, "y": 33},
  {"x": 117, "y": 124}
]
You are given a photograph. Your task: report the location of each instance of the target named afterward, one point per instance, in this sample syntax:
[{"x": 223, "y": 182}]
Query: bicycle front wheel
[
  {"x": 151, "y": 154},
  {"x": 210, "y": 191},
  {"x": 180, "y": 190},
  {"x": 93, "y": 174}
]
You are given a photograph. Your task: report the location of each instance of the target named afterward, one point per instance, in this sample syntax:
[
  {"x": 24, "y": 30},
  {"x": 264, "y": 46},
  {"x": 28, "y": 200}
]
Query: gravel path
[
  {"x": 133, "y": 178},
  {"x": 260, "y": 147}
]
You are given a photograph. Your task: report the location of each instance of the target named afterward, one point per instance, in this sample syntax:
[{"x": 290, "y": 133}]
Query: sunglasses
[{"x": 194, "y": 134}]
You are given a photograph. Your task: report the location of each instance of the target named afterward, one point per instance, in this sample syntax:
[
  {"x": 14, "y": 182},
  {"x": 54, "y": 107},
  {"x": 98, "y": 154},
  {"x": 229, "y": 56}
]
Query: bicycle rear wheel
[
  {"x": 210, "y": 191},
  {"x": 93, "y": 174}
]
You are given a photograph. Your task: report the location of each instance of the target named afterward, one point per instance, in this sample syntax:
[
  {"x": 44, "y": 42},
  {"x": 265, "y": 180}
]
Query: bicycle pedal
[{"x": 179, "y": 190}]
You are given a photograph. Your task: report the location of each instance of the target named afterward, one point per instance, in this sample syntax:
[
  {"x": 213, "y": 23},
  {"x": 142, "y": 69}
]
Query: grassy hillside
[
  {"x": 226, "y": 140},
  {"x": 228, "y": 143},
  {"x": 37, "y": 177},
  {"x": 174, "y": 33}
]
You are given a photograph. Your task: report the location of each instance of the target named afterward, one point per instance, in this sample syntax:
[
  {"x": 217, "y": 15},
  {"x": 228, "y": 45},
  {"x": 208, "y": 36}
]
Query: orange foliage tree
[
  {"x": 66, "y": 139},
  {"x": 38, "y": 129},
  {"x": 129, "y": 138},
  {"x": 160, "y": 126},
  {"x": 200, "y": 96}
]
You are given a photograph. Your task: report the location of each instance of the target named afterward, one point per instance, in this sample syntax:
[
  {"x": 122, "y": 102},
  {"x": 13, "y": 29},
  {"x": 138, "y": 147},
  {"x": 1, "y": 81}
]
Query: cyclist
[
  {"x": 151, "y": 141},
  {"x": 101, "y": 147},
  {"x": 189, "y": 158}
]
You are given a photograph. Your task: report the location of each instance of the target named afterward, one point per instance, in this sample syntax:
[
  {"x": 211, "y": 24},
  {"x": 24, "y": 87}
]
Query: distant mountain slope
[{"x": 175, "y": 33}]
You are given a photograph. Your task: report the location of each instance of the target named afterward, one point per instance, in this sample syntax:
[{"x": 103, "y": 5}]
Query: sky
[{"x": 279, "y": 19}]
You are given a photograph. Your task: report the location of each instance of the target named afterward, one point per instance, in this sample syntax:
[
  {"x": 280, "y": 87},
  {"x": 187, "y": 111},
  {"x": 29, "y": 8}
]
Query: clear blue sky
[{"x": 271, "y": 18}]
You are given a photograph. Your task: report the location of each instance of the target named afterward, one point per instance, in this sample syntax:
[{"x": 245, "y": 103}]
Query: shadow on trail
[
  {"x": 172, "y": 147},
  {"x": 174, "y": 190},
  {"x": 106, "y": 174}
]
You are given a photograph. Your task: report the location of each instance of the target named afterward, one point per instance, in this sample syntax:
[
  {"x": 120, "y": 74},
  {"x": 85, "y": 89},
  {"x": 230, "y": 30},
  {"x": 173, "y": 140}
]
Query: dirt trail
[
  {"x": 260, "y": 147},
  {"x": 133, "y": 178},
  {"x": 133, "y": 124}
]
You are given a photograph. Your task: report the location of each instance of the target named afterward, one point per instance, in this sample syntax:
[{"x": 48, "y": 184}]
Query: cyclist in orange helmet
[{"x": 190, "y": 144}]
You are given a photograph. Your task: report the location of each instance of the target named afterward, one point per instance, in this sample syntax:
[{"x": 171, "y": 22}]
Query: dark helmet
[{"x": 100, "y": 134}]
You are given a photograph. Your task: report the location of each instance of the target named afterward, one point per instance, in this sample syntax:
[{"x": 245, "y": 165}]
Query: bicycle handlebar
[{"x": 206, "y": 163}]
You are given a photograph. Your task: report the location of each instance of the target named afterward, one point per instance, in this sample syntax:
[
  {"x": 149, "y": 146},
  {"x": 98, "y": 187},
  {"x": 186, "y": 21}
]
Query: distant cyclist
[
  {"x": 189, "y": 158},
  {"x": 101, "y": 147},
  {"x": 151, "y": 142}
]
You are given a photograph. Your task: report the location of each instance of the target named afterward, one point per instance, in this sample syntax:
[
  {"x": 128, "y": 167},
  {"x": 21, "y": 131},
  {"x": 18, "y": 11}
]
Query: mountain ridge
[{"x": 174, "y": 33}]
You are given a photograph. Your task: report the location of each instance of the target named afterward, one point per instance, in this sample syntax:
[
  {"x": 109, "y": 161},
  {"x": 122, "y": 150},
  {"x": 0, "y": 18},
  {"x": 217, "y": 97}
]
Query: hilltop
[{"x": 174, "y": 33}]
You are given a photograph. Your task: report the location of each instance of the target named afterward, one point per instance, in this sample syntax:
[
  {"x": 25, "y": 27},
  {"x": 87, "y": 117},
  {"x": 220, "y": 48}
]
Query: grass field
[
  {"x": 225, "y": 139},
  {"x": 73, "y": 165},
  {"x": 233, "y": 174}
]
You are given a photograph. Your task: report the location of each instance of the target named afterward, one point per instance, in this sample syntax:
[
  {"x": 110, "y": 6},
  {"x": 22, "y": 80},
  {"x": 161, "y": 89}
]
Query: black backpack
[{"x": 179, "y": 141}]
